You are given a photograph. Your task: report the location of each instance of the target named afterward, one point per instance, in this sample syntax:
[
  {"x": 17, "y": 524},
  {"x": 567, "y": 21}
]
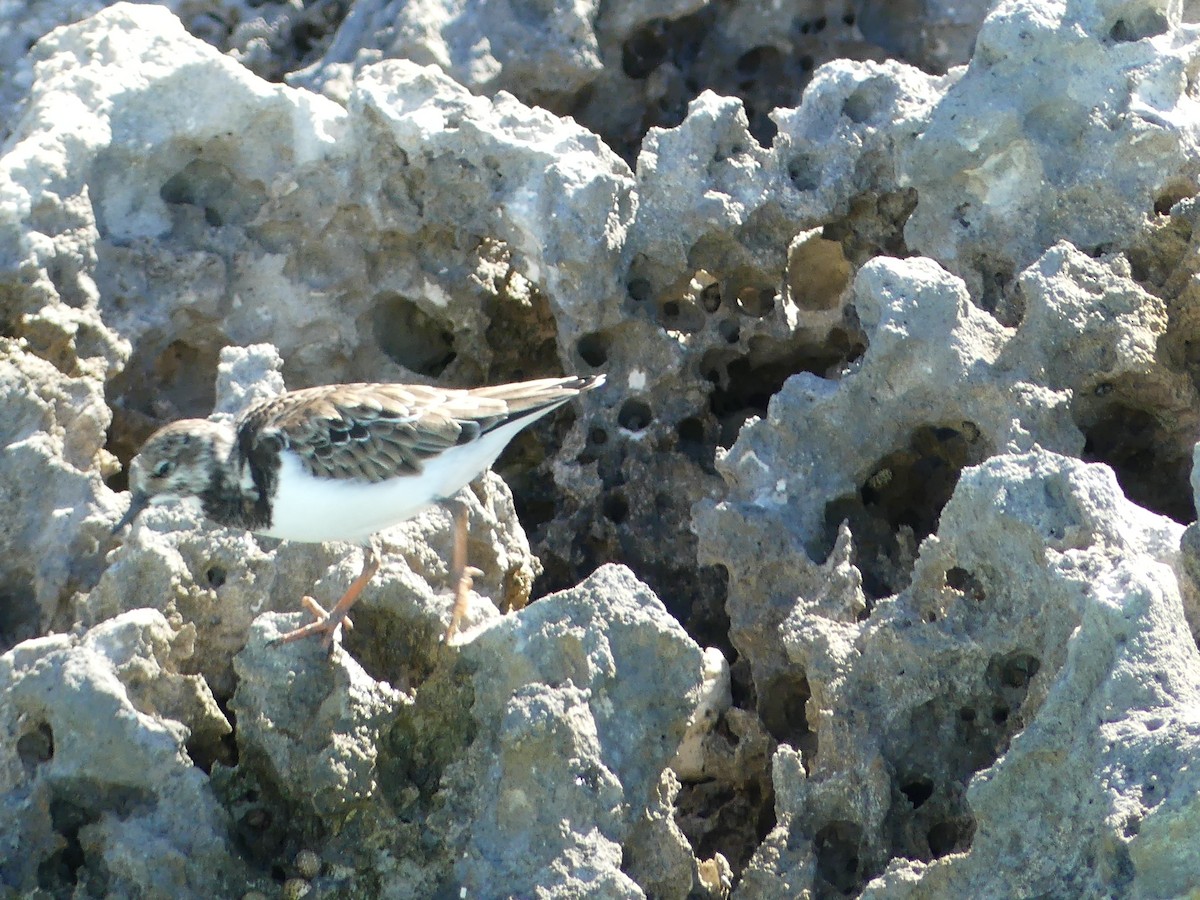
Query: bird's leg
[
  {"x": 461, "y": 575},
  {"x": 328, "y": 623}
]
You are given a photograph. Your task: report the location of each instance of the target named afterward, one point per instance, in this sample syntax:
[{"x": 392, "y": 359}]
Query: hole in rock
[
  {"x": 710, "y": 297},
  {"x": 900, "y": 502},
  {"x": 782, "y": 706},
  {"x": 917, "y": 790},
  {"x": 873, "y": 225},
  {"x": 257, "y": 832},
  {"x": 861, "y": 105},
  {"x": 754, "y": 59},
  {"x": 690, "y": 431},
  {"x": 928, "y": 817},
  {"x": 62, "y": 869},
  {"x": 967, "y": 740},
  {"x": 225, "y": 198},
  {"x": 683, "y": 304},
  {"x": 35, "y": 747},
  {"x": 19, "y": 616},
  {"x": 755, "y": 301},
  {"x": 634, "y": 415},
  {"x": 1171, "y": 193},
  {"x": 1142, "y": 24},
  {"x": 804, "y": 172},
  {"x": 759, "y": 67},
  {"x": 520, "y": 463},
  {"x": 74, "y": 805},
  {"x": 215, "y": 576},
  {"x": 183, "y": 376},
  {"x": 999, "y": 295},
  {"x": 952, "y": 742},
  {"x": 967, "y": 584},
  {"x": 818, "y": 273},
  {"x": 837, "y": 847},
  {"x": 639, "y": 289},
  {"x": 745, "y": 383},
  {"x": 520, "y": 330},
  {"x": 593, "y": 349},
  {"x": 1151, "y": 462},
  {"x": 410, "y": 337},
  {"x": 1016, "y": 671},
  {"x": 694, "y": 443},
  {"x": 616, "y": 508},
  {"x": 644, "y": 50},
  {"x": 950, "y": 837},
  {"x": 732, "y": 819},
  {"x": 1008, "y": 678}
]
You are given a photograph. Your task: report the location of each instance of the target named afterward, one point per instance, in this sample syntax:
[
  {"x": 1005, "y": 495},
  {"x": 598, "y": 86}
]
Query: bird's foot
[
  {"x": 325, "y": 623},
  {"x": 330, "y": 623}
]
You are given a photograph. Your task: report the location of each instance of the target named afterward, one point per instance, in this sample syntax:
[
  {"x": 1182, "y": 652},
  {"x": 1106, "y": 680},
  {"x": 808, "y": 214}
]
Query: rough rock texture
[
  {"x": 1076, "y": 165},
  {"x": 99, "y": 740},
  {"x": 1077, "y": 693},
  {"x": 525, "y": 760},
  {"x": 618, "y": 68},
  {"x": 900, "y": 424}
]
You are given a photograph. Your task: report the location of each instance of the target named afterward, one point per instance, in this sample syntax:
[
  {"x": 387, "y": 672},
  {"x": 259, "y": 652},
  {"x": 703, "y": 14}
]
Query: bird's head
[{"x": 175, "y": 463}]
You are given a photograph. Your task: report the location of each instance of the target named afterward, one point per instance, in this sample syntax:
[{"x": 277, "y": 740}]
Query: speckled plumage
[
  {"x": 339, "y": 462},
  {"x": 377, "y": 431}
]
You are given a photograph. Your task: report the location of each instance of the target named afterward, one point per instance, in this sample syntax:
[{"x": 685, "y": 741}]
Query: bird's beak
[{"x": 137, "y": 503}]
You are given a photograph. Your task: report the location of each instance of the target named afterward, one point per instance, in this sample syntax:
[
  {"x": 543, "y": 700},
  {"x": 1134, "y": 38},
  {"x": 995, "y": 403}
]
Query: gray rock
[
  {"x": 622, "y": 68},
  {"x": 580, "y": 701},
  {"x": 524, "y": 761},
  {"x": 1043, "y": 636},
  {"x": 659, "y": 857},
  {"x": 57, "y": 509},
  {"x": 1036, "y": 168},
  {"x": 100, "y": 739},
  {"x": 863, "y": 344}
]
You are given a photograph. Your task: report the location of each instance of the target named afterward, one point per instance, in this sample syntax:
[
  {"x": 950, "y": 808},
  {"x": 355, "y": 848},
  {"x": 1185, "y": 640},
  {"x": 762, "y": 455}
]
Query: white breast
[{"x": 307, "y": 508}]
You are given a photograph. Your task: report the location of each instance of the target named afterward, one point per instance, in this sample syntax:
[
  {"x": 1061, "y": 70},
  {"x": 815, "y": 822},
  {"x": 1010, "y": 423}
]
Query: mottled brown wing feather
[{"x": 372, "y": 432}]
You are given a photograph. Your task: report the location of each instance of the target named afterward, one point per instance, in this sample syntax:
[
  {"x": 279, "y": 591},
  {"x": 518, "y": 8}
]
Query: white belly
[{"x": 307, "y": 508}]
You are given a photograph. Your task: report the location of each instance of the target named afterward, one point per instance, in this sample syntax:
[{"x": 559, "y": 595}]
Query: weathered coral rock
[
  {"x": 99, "y": 740},
  {"x": 1042, "y": 641},
  {"x": 526, "y": 762},
  {"x": 900, "y": 423}
]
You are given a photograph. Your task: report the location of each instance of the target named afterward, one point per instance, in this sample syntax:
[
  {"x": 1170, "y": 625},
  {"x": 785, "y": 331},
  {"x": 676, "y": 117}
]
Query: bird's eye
[{"x": 163, "y": 469}]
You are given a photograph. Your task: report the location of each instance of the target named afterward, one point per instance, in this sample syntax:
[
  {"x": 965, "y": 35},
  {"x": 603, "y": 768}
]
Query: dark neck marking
[{"x": 225, "y": 503}]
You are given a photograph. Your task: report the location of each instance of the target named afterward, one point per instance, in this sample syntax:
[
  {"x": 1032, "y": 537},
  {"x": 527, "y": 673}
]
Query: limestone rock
[
  {"x": 101, "y": 737},
  {"x": 524, "y": 763},
  {"x": 898, "y": 308}
]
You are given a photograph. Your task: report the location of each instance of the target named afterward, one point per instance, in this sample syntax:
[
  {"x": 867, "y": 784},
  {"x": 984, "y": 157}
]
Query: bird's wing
[{"x": 371, "y": 432}]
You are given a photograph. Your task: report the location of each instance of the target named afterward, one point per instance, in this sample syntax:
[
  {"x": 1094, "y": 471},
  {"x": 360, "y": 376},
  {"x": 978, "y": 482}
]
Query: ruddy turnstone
[{"x": 339, "y": 463}]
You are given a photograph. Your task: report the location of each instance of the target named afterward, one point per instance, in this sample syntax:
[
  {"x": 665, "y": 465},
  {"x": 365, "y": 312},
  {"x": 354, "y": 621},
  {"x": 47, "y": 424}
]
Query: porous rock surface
[
  {"x": 899, "y": 424},
  {"x": 527, "y": 760}
]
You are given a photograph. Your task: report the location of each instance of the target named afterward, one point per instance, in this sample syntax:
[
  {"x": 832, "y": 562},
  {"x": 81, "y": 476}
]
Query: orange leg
[
  {"x": 328, "y": 623},
  {"x": 461, "y": 575}
]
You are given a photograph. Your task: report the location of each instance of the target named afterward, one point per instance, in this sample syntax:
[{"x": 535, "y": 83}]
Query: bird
[{"x": 339, "y": 462}]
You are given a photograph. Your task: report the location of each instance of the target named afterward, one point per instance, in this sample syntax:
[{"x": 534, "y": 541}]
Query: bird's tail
[{"x": 542, "y": 393}]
